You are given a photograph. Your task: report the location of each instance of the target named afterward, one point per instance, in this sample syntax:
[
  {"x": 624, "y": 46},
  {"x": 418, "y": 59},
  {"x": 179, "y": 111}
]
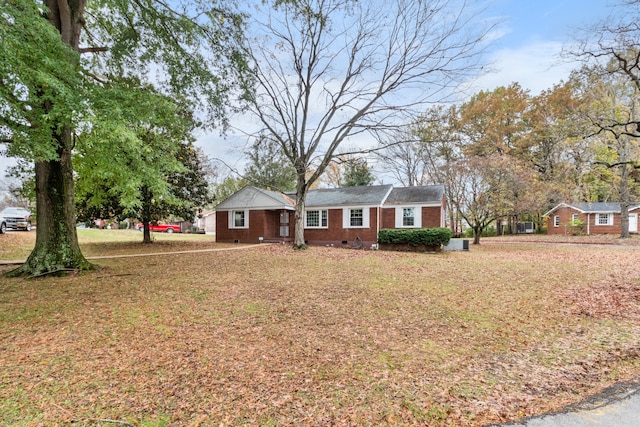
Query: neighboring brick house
[
  {"x": 350, "y": 216},
  {"x": 597, "y": 218}
]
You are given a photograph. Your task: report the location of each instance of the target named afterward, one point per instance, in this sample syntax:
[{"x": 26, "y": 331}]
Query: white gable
[{"x": 252, "y": 198}]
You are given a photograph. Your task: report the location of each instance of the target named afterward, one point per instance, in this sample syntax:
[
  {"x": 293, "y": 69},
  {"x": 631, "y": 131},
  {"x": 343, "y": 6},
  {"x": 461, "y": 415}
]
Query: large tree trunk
[
  {"x": 56, "y": 247},
  {"x": 298, "y": 240},
  {"x": 476, "y": 235},
  {"x": 301, "y": 194},
  {"x": 146, "y": 215},
  {"x": 624, "y": 205}
]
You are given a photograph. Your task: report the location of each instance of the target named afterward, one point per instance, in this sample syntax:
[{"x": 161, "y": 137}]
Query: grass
[
  {"x": 99, "y": 243},
  {"x": 271, "y": 336}
]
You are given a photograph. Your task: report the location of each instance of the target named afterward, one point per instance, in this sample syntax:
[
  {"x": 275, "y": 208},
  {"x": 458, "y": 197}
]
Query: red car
[{"x": 162, "y": 228}]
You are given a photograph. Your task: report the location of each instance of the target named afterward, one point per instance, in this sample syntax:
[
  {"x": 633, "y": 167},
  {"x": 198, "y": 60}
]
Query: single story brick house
[
  {"x": 350, "y": 216},
  {"x": 598, "y": 218}
]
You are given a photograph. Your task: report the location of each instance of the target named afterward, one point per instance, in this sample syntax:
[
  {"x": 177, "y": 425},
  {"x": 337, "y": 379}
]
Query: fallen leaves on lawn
[{"x": 326, "y": 336}]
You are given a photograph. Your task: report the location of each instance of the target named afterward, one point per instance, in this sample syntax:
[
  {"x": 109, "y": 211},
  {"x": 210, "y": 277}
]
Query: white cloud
[{"x": 536, "y": 66}]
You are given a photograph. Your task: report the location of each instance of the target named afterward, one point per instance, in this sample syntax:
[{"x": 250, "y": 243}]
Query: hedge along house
[
  {"x": 593, "y": 218},
  {"x": 349, "y": 217}
]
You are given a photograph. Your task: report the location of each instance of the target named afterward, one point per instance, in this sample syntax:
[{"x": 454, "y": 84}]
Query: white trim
[
  {"x": 632, "y": 222},
  {"x": 609, "y": 219},
  {"x": 417, "y": 216},
  {"x": 346, "y": 217},
  {"x": 330, "y": 207},
  {"x": 231, "y": 219},
  {"x": 556, "y": 220},
  {"x": 320, "y": 211}
]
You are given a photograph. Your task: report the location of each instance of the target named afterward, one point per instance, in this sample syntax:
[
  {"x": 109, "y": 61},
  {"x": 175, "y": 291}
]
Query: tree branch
[
  {"x": 92, "y": 49},
  {"x": 631, "y": 163}
]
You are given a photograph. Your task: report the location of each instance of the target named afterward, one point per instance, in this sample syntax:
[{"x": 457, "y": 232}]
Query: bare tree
[
  {"x": 614, "y": 115},
  {"x": 495, "y": 187},
  {"x": 441, "y": 150},
  {"x": 610, "y": 47},
  {"x": 403, "y": 157},
  {"x": 328, "y": 71}
]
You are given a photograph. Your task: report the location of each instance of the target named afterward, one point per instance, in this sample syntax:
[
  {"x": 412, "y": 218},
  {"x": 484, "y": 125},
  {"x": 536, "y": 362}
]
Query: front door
[
  {"x": 633, "y": 223},
  {"x": 284, "y": 223}
]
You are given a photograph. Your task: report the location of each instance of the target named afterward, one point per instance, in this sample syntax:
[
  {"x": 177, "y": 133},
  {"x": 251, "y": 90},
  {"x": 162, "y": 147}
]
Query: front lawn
[{"x": 272, "y": 336}]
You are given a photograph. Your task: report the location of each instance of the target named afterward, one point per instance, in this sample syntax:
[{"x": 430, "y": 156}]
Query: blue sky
[
  {"x": 526, "y": 50},
  {"x": 532, "y": 35},
  {"x": 530, "y": 21}
]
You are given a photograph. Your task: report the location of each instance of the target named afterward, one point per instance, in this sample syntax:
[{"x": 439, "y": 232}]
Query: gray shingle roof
[
  {"x": 597, "y": 207},
  {"x": 422, "y": 194},
  {"x": 366, "y": 195},
  {"x": 601, "y": 207},
  {"x": 594, "y": 207}
]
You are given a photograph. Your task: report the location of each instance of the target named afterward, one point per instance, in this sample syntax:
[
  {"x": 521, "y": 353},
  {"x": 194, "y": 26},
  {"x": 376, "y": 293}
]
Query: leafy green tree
[
  {"x": 56, "y": 57},
  {"x": 133, "y": 147},
  {"x": 356, "y": 173},
  {"x": 269, "y": 167},
  {"x": 191, "y": 186},
  {"x": 188, "y": 192}
]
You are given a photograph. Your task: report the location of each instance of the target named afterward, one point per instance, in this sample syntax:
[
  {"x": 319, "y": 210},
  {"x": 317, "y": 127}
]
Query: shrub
[
  {"x": 415, "y": 236},
  {"x": 576, "y": 227}
]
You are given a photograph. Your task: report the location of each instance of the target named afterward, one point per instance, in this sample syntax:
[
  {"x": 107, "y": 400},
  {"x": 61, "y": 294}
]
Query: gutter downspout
[
  {"x": 379, "y": 207},
  {"x": 377, "y": 225},
  {"x": 588, "y": 224}
]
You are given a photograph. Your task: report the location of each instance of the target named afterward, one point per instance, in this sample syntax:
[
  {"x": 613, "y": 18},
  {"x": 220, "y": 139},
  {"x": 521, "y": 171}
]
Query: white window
[
  {"x": 408, "y": 217},
  {"x": 604, "y": 219},
  {"x": 556, "y": 221},
  {"x": 575, "y": 218},
  {"x": 316, "y": 219},
  {"x": 355, "y": 218},
  {"x": 239, "y": 219}
]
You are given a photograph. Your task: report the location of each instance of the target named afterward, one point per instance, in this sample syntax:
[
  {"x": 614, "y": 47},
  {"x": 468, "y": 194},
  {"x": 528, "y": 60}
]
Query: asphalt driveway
[{"x": 617, "y": 406}]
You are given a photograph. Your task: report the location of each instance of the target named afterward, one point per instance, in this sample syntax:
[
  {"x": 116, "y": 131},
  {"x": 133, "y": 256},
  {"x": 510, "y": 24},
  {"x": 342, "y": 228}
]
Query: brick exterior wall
[
  {"x": 431, "y": 217},
  {"x": 335, "y": 235},
  {"x": 565, "y": 215},
  {"x": 265, "y": 224},
  {"x": 388, "y": 218}
]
